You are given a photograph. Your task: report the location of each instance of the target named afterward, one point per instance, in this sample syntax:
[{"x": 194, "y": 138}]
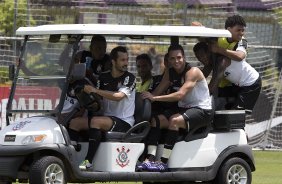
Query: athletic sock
[
  {"x": 94, "y": 142},
  {"x": 153, "y": 136},
  {"x": 152, "y": 142},
  {"x": 169, "y": 144},
  {"x": 152, "y": 150}
]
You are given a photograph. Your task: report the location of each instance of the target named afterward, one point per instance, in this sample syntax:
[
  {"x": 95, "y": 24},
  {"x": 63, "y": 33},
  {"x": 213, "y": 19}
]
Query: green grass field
[{"x": 268, "y": 167}]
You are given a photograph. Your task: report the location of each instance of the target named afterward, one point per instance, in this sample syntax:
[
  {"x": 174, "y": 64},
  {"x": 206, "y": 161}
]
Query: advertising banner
[{"x": 30, "y": 98}]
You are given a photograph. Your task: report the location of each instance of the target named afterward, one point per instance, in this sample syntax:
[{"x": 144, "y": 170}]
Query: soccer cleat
[
  {"x": 158, "y": 167},
  {"x": 85, "y": 165},
  {"x": 143, "y": 166}
]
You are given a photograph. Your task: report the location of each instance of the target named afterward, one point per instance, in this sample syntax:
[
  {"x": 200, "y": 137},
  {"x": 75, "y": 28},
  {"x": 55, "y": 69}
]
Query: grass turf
[{"x": 268, "y": 167}]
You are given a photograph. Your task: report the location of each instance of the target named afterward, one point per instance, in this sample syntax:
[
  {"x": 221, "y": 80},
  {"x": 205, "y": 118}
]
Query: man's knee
[
  {"x": 155, "y": 121},
  {"x": 73, "y": 125},
  {"x": 101, "y": 122},
  {"x": 95, "y": 122},
  {"x": 173, "y": 123},
  {"x": 176, "y": 122},
  {"x": 78, "y": 124},
  {"x": 160, "y": 121}
]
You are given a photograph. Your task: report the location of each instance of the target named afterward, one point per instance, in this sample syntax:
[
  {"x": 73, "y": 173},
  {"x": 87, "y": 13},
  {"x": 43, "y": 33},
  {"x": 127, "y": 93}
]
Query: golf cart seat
[
  {"x": 226, "y": 120},
  {"x": 141, "y": 127}
]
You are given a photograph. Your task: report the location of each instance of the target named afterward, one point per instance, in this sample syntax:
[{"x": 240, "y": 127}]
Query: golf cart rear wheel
[
  {"x": 49, "y": 170},
  {"x": 234, "y": 171}
]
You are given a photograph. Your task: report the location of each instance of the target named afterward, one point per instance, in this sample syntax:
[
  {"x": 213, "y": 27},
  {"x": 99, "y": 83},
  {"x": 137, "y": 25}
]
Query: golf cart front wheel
[
  {"x": 234, "y": 171},
  {"x": 6, "y": 182},
  {"x": 49, "y": 170}
]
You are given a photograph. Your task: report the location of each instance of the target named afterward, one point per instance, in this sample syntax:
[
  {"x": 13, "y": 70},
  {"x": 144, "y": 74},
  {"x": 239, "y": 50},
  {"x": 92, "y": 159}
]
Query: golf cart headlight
[{"x": 33, "y": 139}]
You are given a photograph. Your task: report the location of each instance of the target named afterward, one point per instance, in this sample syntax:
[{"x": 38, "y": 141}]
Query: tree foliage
[{"x": 7, "y": 9}]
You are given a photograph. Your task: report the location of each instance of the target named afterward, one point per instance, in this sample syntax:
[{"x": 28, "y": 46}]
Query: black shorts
[
  {"x": 119, "y": 125},
  {"x": 171, "y": 111},
  {"x": 160, "y": 107},
  {"x": 246, "y": 96},
  {"x": 195, "y": 116}
]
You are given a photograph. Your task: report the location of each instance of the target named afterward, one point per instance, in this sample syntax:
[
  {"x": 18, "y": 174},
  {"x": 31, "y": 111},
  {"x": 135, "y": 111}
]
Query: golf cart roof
[{"x": 128, "y": 30}]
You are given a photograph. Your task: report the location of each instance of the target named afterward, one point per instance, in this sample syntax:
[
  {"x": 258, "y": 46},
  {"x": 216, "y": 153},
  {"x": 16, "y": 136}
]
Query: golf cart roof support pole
[
  {"x": 13, "y": 86},
  {"x": 174, "y": 40}
]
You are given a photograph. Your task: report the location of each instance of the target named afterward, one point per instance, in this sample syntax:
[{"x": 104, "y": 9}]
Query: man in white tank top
[{"x": 194, "y": 107}]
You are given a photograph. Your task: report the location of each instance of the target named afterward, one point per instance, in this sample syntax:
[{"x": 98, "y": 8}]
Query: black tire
[
  {"x": 156, "y": 182},
  {"x": 234, "y": 171},
  {"x": 49, "y": 170},
  {"x": 6, "y": 182},
  {"x": 168, "y": 182}
]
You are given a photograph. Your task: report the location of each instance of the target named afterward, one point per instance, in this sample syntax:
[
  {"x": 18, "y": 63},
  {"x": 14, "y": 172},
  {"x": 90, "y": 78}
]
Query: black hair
[
  {"x": 145, "y": 57},
  {"x": 235, "y": 20},
  {"x": 200, "y": 45},
  {"x": 166, "y": 57},
  {"x": 98, "y": 38},
  {"x": 176, "y": 47},
  {"x": 114, "y": 52}
]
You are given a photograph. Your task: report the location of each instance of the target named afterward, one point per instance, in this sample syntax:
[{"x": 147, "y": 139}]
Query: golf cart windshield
[{"x": 43, "y": 69}]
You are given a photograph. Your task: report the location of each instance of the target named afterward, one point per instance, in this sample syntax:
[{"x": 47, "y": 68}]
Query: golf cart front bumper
[
  {"x": 9, "y": 166},
  {"x": 12, "y": 157}
]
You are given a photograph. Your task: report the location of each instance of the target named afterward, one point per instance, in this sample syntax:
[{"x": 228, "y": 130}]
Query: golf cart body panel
[
  {"x": 27, "y": 130},
  {"x": 37, "y": 140},
  {"x": 204, "y": 152}
]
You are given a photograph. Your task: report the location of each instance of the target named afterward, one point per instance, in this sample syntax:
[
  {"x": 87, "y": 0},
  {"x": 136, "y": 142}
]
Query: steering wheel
[{"x": 91, "y": 102}]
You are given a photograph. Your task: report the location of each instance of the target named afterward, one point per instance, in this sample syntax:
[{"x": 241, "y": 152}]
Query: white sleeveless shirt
[{"x": 198, "y": 97}]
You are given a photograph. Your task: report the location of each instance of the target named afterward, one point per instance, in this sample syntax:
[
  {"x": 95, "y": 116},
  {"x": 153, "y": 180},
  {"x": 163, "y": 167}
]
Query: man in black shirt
[
  {"x": 96, "y": 59},
  {"x": 117, "y": 88}
]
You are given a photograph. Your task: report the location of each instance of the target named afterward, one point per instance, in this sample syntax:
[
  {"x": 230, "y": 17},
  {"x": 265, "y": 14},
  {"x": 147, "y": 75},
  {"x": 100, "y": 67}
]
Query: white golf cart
[{"x": 35, "y": 145}]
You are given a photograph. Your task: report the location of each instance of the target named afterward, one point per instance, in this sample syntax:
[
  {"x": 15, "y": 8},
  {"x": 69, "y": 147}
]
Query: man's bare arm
[
  {"x": 207, "y": 70},
  {"x": 191, "y": 78},
  {"x": 164, "y": 84},
  {"x": 237, "y": 55},
  {"x": 218, "y": 74},
  {"x": 115, "y": 96}
]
